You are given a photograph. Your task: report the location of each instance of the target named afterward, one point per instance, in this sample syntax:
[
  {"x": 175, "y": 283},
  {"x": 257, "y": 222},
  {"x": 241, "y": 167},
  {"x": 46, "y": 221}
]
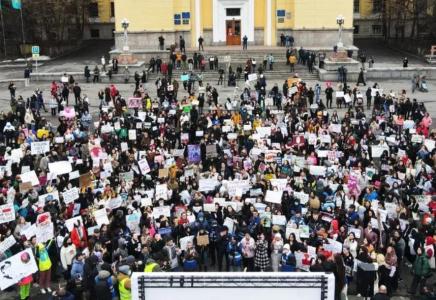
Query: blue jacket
[
  {"x": 234, "y": 252},
  {"x": 77, "y": 269}
]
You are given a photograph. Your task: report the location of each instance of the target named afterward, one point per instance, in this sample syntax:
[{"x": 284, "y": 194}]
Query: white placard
[
  {"x": 143, "y": 166},
  {"x": 430, "y": 144},
  {"x": 30, "y": 177},
  {"x": 7, "y": 213},
  {"x": 15, "y": 268},
  {"x": 48, "y": 197},
  {"x": 124, "y": 147},
  {"x": 70, "y": 195},
  {"x": 207, "y": 184},
  {"x": 303, "y": 197},
  {"x": 74, "y": 175},
  {"x": 115, "y": 203},
  {"x": 101, "y": 217},
  {"x": 7, "y": 243},
  {"x": 60, "y": 167},
  {"x": 162, "y": 211},
  {"x": 252, "y": 77},
  {"x": 132, "y": 134},
  {"x": 377, "y": 151},
  {"x": 70, "y": 222},
  {"x": 44, "y": 233},
  {"x": 184, "y": 241},
  {"x": 334, "y": 246},
  {"x": 273, "y": 196},
  {"x": 40, "y": 147},
  {"x": 161, "y": 191}
]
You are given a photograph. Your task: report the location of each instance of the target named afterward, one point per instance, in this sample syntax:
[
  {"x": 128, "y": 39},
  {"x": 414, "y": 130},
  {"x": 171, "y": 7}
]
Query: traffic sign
[
  {"x": 35, "y": 49},
  {"x": 35, "y": 56}
]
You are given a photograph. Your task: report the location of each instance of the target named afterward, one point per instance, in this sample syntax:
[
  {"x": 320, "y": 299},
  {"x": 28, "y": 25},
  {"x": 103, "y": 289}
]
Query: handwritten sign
[{"x": 40, "y": 147}]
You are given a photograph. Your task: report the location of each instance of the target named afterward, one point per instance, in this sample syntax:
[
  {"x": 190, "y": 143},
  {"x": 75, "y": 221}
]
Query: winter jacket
[
  {"x": 77, "y": 269},
  {"x": 248, "y": 247},
  {"x": 44, "y": 259},
  {"x": 68, "y": 296},
  {"x": 104, "y": 288},
  {"x": 421, "y": 266},
  {"x": 89, "y": 273},
  {"x": 67, "y": 255}
]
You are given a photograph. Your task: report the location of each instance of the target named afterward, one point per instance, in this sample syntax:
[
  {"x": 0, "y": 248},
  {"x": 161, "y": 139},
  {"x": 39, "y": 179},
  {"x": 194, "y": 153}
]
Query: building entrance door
[{"x": 233, "y": 32}]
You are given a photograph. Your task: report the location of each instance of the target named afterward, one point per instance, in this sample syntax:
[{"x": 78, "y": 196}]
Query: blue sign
[
  {"x": 177, "y": 22},
  {"x": 164, "y": 231},
  {"x": 35, "y": 49},
  {"x": 177, "y": 17},
  {"x": 186, "y": 15},
  {"x": 280, "y": 13}
]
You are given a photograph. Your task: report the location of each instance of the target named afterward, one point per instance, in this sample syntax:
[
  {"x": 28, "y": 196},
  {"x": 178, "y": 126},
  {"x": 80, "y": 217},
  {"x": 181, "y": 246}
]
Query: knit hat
[
  {"x": 287, "y": 247},
  {"x": 130, "y": 260},
  {"x": 124, "y": 270},
  {"x": 277, "y": 235}
]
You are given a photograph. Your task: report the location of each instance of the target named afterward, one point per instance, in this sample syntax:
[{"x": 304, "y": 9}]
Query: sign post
[{"x": 35, "y": 56}]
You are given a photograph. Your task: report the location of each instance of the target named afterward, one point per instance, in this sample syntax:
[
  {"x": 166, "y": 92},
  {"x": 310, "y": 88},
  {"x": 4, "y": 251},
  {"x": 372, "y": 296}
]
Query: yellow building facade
[
  {"x": 312, "y": 23},
  {"x": 101, "y": 24}
]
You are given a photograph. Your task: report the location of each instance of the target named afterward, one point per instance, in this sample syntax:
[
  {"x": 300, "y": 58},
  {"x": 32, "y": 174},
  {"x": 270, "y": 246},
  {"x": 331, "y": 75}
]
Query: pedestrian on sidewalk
[
  {"x": 77, "y": 90},
  {"x": 152, "y": 64},
  {"x": 182, "y": 44},
  {"x": 158, "y": 65},
  {"x": 368, "y": 98},
  {"x": 310, "y": 66},
  {"x": 271, "y": 61},
  {"x": 363, "y": 60},
  {"x": 244, "y": 42},
  {"x": 87, "y": 74},
  {"x": 103, "y": 63},
  {"x": 227, "y": 60},
  {"x": 265, "y": 61},
  {"x": 405, "y": 62},
  {"x": 53, "y": 105},
  {"x": 253, "y": 65},
  {"x": 27, "y": 77},
  {"x": 200, "y": 43},
  {"x": 292, "y": 61},
  {"x": 221, "y": 76},
  {"x": 361, "y": 79},
  {"x": 96, "y": 75},
  {"x": 370, "y": 63}
]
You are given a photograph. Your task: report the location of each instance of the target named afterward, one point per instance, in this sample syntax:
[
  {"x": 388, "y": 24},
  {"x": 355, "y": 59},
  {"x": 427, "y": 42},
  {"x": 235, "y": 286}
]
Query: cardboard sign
[
  {"x": 202, "y": 240},
  {"x": 274, "y": 196},
  {"x": 7, "y": 213},
  {"x": 163, "y": 173},
  {"x": 143, "y": 166},
  {"x": 70, "y": 195},
  {"x": 25, "y": 186}
]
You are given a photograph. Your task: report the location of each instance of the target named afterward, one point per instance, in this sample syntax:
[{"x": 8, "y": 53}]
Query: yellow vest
[
  {"x": 149, "y": 268},
  {"x": 125, "y": 294}
]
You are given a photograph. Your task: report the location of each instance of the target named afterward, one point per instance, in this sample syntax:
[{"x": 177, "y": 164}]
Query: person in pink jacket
[
  {"x": 247, "y": 245},
  {"x": 427, "y": 121},
  {"x": 25, "y": 282}
]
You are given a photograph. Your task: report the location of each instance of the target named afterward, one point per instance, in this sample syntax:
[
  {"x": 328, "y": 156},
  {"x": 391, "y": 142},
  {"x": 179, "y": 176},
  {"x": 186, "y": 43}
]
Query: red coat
[
  {"x": 75, "y": 238},
  {"x": 164, "y": 68}
]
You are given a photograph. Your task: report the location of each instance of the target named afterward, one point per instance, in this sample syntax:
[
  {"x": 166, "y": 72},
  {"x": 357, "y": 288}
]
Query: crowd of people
[{"x": 270, "y": 181}]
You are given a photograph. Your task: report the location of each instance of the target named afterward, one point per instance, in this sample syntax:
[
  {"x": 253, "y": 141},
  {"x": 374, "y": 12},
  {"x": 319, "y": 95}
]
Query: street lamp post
[
  {"x": 125, "y": 24},
  {"x": 340, "y": 20}
]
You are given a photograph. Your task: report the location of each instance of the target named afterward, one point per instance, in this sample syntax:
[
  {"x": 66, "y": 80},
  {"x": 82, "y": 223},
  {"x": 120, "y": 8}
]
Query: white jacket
[{"x": 67, "y": 255}]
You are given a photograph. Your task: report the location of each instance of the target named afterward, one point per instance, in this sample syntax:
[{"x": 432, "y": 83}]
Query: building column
[
  {"x": 197, "y": 20},
  {"x": 215, "y": 22},
  {"x": 268, "y": 23}
]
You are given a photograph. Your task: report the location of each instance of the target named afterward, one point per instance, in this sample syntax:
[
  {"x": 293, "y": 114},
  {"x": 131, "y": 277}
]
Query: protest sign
[
  {"x": 230, "y": 224},
  {"x": 356, "y": 232},
  {"x": 304, "y": 231},
  {"x": 134, "y": 102},
  {"x": 40, "y": 147},
  {"x": 178, "y": 152},
  {"x": 162, "y": 211},
  {"x": 194, "y": 153},
  {"x": 334, "y": 246},
  {"x": 377, "y": 151},
  {"x": 303, "y": 197},
  {"x": 209, "y": 207},
  {"x": 115, "y": 203},
  {"x": 30, "y": 177},
  {"x": 71, "y": 222},
  {"x": 430, "y": 144},
  {"x": 163, "y": 173},
  {"x": 127, "y": 176},
  {"x": 273, "y": 196},
  {"x": 211, "y": 151},
  {"x": 252, "y": 77},
  {"x": 422, "y": 201},
  {"x": 60, "y": 167},
  {"x": 70, "y": 195},
  {"x": 317, "y": 170},
  {"x": 337, "y": 128},
  {"x": 146, "y": 202},
  {"x": 260, "y": 207},
  {"x": 25, "y": 186},
  {"x": 165, "y": 231},
  {"x": 132, "y": 222},
  {"x": 100, "y": 217},
  {"x": 7, "y": 213},
  {"x": 161, "y": 191},
  {"x": 7, "y": 243},
  {"x": 143, "y": 166},
  {"x": 132, "y": 134},
  {"x": 29, "y": 232},
  {"x": 202, "y": 240},
  {"x": 302, "y": 260},
  {"x": 279, "y": 220},
  {"x": 15, "y": 268},
  {"x": 184, "y": 241},
  {"x": 207, "y": 184},
  {"x": 44, "y": 233}
]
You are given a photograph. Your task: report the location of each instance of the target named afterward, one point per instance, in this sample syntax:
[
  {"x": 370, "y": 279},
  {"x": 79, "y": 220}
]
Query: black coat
[{"x": 89, "y": 273}]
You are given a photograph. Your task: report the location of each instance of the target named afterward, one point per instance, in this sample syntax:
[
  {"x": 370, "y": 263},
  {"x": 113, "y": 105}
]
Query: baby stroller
[
  {"x": 422, "y": 84},
  {"x": 424, "y": 87}
]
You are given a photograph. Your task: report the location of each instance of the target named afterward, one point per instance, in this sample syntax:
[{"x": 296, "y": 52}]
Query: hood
[
  {"x": 121, "y": 243},
  {"x": 200, "y": 215},
  {"x": 40, "y": 247},
  {"x": 335, "y": 225},
  {"x": 103, "y": 274},
  {"x": 77, "y": 262},
  {"x": 429, "y": 241}
]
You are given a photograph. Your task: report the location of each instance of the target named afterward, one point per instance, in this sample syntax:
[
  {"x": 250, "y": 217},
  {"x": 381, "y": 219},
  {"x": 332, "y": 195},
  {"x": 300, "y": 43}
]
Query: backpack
[{"x": 102, "y": 290}]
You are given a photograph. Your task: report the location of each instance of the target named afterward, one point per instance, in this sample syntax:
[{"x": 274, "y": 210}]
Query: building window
[
  {"x": 112, "y": 9},
  {"x": 95, "y": 33},
  {"x": 376, "y": 6},
  {"x": 93, "y": 10},
  {"x": 376, "y": 29},
  {"x": 356, "y": 29},
  {"x": 233, "y": 12},
  {"x": 356, "y": 6}
]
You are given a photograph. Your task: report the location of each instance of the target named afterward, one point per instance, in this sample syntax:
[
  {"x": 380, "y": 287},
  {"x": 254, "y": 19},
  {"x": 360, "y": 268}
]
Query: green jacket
[{"x": 421, "y": 266}]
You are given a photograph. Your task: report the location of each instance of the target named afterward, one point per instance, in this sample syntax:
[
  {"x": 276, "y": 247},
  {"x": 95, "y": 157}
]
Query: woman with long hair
[
  {"x": 391, "y": 264},
  {"x": 340, "y": 278}
]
